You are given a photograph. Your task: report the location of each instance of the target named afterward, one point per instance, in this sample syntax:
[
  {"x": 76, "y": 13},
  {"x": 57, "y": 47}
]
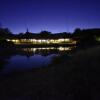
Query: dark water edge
[
  {"x": 16, "y": 59},
  {"x": 76, "y": 78}
]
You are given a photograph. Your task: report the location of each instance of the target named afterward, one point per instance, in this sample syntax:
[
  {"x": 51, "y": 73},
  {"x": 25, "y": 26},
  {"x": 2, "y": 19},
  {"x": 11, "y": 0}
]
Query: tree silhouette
[
  {"x": 86, "y": 37},
  {"x": 44, "y": 34},
  {"x": 5, "y": 32}
]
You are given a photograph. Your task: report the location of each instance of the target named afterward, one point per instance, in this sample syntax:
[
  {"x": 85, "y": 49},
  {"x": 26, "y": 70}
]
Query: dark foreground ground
[{"x": 75, "y": 79}]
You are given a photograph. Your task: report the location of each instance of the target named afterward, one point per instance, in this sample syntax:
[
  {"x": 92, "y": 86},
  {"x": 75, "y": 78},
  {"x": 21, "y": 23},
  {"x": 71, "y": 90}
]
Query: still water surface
[{"x": 29, "y": 58}]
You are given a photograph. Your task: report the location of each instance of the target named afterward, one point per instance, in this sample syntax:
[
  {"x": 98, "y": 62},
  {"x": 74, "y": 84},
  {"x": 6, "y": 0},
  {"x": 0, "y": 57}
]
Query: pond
[{"x": 18, "y": 59}]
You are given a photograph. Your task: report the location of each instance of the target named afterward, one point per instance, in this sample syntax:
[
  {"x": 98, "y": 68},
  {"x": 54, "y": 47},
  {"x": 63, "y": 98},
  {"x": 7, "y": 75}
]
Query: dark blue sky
[{"x": 51, "y": 15}]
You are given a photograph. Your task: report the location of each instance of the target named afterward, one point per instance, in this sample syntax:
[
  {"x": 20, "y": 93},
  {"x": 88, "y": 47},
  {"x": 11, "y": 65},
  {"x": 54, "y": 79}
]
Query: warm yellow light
[
  {"x": 39, "y": 41},
  {"x": 43, "y": 40},
  {"x": 64, "y": 48},
  {"x": 13, "y": 40},
  {"x": 61, "y": 48},
  {"x": 67, "y": 48},
  {"x": 48, "y": 41},
  {"x": 8, "y": 39},
  {"x": 33, "y": 49},
  {"x": 60, "y": 40},
  {"x": 52, "y": 48},
  {"x": 33, "y": 40},
  {"x": 74, "y": 42},
  {"x": 67, "y": 40},
  {"x": 51, "y": 40}
]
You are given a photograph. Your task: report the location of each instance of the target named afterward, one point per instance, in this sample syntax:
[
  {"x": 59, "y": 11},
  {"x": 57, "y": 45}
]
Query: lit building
[
  {"x": 44, "y": 38},
  {"x": 42, "y": 41}
]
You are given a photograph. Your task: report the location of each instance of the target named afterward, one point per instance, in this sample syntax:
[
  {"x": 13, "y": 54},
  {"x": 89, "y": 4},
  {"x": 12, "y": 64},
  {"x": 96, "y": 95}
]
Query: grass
[{"x": 67, "y": 78}]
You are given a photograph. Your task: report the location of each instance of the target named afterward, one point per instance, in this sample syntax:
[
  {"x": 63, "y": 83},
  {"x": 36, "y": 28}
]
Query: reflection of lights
[
  {"x": 64, "y": 48},
  {"x": 46, "y": 48},
  {"x": 33, "y": 49},
  {"x": 61, "y": 49},
  {"x": 67, "y": 48}
]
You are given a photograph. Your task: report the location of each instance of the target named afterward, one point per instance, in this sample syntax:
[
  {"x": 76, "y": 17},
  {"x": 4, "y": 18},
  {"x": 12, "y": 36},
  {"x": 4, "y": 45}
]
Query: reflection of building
[
  {"x": 44, "y": 51},
  {"x": 48, "y": 49}
]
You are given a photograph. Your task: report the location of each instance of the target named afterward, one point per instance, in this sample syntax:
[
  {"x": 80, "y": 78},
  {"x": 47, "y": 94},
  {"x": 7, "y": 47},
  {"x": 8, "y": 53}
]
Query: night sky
[{"x": 50, "y": 15}]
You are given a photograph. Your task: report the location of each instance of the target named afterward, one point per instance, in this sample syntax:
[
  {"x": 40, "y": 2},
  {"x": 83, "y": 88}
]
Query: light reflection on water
[
  {"x": 28, "y": 58},
  {"x": 48, "y": 49}
]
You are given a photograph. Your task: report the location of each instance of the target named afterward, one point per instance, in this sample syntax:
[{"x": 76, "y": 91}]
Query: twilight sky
[{"x": 51, "y": 15}]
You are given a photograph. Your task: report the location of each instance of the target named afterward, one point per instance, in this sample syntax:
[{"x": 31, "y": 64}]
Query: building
[{"x": 42, "y": 38}]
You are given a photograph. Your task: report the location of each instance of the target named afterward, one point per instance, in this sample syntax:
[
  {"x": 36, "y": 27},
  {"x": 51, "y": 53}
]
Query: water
[{"x": 28, "y": 58}]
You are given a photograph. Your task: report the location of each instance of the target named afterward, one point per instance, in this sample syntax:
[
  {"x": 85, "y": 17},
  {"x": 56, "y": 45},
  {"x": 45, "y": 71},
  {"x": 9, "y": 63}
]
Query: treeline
[
  {"x": 83, "y": 36},
  {"x": 6, "y": 33},
  {"x": 87, "y": 37},
  {"x": 78, "y": 33}
]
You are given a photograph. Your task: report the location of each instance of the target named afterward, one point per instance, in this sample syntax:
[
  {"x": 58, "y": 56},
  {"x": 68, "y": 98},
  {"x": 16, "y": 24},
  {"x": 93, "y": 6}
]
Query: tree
[
  {"x": 45, "y": 34},
  {"x": 77, "y": 32},
  {"x": 5, "y": 33}
]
